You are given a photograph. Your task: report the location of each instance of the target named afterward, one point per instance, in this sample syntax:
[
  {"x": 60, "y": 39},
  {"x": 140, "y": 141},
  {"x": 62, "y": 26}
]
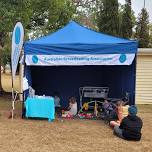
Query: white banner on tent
[{"x": 74, "y": 59}]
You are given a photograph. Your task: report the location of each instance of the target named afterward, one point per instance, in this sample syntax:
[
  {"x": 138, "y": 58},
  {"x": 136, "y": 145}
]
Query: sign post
[{"x": 17, "y": 43}]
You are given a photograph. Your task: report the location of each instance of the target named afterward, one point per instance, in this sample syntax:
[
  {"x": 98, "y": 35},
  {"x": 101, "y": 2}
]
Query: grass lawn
[
  {"x": 22, "y": 135},
  {"x": 7, "y": 83}
]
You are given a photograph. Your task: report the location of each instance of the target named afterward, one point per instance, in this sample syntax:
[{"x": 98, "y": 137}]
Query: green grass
[
  {"x": 6, "y": 103},
  {"x": 5, "y": 100}
]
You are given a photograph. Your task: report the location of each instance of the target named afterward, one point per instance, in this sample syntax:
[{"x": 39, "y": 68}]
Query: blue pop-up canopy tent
[{"x": 76, "y": 56}]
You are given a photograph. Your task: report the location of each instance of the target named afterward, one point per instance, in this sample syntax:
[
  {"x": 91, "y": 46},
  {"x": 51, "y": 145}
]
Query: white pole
[
  {"x": 21, "y": 73},
  {"x": 13, "y": 106}
]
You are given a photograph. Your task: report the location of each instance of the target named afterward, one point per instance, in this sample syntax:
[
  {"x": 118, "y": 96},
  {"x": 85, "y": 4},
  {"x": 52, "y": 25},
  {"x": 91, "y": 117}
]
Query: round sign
[
  {"x": 122, "y": 58},
  {"x": 35, "y": 59}
]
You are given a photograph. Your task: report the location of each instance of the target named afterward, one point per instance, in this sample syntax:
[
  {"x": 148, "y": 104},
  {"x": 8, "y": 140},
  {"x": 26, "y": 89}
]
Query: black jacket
[{"x": 131, "y": 127}]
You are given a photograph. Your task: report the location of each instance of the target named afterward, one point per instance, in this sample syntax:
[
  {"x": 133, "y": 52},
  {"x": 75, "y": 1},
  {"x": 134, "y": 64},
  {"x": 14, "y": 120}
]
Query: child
[
  {"x": 57, "y": 101},
  {"x": 72, "y": 108},
  {"x": 106, "y": 105},
  {"x": 107, "y": 109},
  {"x": 57, "y": 104},
  {"x": 119, "y": 111}
]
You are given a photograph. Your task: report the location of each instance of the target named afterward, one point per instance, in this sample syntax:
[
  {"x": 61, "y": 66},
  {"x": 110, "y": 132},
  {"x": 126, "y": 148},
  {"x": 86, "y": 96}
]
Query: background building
[{"x": 144, "y": 76}]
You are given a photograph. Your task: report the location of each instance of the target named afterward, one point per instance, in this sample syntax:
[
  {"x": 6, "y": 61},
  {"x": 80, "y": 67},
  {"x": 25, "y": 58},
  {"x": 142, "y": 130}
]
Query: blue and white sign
[
  {"x": 17, "y": 43},
  {"x": 76, "y": 59}
]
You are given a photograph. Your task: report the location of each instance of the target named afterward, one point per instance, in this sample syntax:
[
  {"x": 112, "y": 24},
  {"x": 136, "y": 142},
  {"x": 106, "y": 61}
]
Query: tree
[
  {"x": 107, "y": 17},
  {"x": 6, "y": 53},
  {"x": 38, "y": 18},
  {"x": 50, "y": 15},
  {"x": 11, "y": 11},
  {"x": 86, "y": 12},
  {"x": 142, "y": 29},
  {"x": 150, "y": 31},
  {"x": 127, "y": 23}
]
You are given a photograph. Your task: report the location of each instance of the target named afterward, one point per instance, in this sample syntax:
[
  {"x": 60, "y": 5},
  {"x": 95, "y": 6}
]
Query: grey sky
[{"x": 137, "y": 5}]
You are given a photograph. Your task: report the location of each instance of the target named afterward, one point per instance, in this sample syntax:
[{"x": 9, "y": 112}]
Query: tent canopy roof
[{"x": 76, "y": 39}]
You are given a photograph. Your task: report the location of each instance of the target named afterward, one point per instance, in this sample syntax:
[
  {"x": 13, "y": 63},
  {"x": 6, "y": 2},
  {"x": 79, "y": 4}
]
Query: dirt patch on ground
[{"x": 21, "y": 135}]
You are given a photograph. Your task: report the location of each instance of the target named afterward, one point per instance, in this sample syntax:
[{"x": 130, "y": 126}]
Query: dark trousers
[{"x": 58, "y": 110}]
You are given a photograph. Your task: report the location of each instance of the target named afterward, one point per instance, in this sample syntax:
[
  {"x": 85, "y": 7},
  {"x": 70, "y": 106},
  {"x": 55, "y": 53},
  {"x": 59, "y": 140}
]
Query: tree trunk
[
  {"x": 1, "y": 89},
  {"x": 1, "y": 45},
  {"x": 4, "y": 69}
]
